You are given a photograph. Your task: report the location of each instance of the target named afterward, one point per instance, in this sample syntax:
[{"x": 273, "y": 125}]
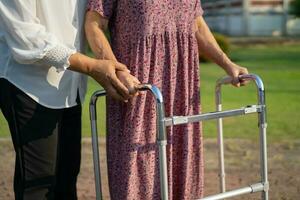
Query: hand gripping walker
[{"x": 163, "y": 122}]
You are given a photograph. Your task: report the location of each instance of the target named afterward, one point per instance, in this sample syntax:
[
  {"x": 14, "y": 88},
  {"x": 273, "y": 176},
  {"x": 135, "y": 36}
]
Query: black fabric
[{"x": 47, "y": 144}]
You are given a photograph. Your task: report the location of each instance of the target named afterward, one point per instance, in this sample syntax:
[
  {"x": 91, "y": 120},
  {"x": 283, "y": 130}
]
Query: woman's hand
[
  {"x": 129, "y": 81},
  {"x": 234, "y": 71}
]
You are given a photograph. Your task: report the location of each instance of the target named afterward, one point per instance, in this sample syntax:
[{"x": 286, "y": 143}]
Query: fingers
[
  {"x": 236, "y": 80},
  {"x": 124, "y": 82},
  {"x": 120, "y": 87},
  {"x": 242, "y": 81},
  {"x": 121, "y": 67},
  {"x": 129, "y": 81},
  {"x": 135, "y": 85},
  {"x": 131, "y": 88},
  {"x": 136, "y": 81},
  {"x": 105, "y": 74},
  {"x": 112, "y": 92}
]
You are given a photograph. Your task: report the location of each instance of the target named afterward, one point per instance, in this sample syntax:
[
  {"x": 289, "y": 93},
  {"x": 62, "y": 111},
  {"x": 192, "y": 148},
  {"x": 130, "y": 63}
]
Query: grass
[{"x": 278, "y": 66}]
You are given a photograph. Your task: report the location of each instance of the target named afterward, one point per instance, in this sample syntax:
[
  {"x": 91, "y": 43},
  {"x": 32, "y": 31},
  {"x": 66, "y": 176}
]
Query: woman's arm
[
  {"x": 208, "y": 46},
  {"x": 95, "y": 26}
]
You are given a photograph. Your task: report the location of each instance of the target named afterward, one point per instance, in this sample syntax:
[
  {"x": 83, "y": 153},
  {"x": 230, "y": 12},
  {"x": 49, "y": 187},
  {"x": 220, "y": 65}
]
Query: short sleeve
[
  {"x": 198, "y": 9},
  {"x": 104, "y": 7}
]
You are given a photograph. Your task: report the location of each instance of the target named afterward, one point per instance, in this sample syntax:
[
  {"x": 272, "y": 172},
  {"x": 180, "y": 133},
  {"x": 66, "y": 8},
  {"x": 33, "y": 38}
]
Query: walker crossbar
[
  {"x": 163, "y": 122},
  {"x": 246, "y": 190},
  {"x": 177, "y": 120}
]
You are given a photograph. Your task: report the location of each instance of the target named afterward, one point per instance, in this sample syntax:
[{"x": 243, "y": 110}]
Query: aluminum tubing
[
  {"x": 246, "y": 190},
  {"x": 95, "y": 147}
]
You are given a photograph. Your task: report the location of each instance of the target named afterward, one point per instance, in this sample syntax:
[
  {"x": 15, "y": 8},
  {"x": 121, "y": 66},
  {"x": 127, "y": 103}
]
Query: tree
[{"x": 295, "y": 8}]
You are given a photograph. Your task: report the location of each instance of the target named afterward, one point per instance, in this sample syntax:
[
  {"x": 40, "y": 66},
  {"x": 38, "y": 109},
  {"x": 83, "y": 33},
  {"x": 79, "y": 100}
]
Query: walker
[{"x": 163, "y": 122}]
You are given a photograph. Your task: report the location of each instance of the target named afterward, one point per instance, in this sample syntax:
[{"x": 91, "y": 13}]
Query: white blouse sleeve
[{"x": 29, "y": 40}]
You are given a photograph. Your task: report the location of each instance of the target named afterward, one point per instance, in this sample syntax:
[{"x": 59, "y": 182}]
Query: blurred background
[
  {"x": 262, "y": 35},
  {"x": 252, "y": 17}
]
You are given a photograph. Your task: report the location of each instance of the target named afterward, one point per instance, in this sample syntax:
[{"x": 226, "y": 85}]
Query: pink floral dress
[{"x": 156, "y": 40}]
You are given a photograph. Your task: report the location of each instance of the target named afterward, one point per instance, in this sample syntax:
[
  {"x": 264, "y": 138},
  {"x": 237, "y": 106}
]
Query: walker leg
[
  {"x": 96, "y": 161},
  {"x": 95, "y": 147},
  {"x": 263, "y": 146},
  {"x": 221, "y": 156},
  {"x": 220, "y": 142},
  {"x": 162, "y": 143},
  {"x": 163, "y": 170},
  {"x": 264, "y": 167}
]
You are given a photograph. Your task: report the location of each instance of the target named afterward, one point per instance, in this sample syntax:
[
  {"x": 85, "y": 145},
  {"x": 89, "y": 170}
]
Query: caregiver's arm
[
  {"x": 208, "y": 46},
  {"x": 31, "y": 43},
  {"x": 95, "y": 26}
]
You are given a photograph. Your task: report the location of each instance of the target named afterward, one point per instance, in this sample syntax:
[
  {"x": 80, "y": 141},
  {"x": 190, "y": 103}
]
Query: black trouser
[{"x": 47, "y": 144}]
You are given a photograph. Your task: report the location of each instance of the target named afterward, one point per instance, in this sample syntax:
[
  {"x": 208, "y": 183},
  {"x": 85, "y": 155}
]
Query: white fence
[
  {"x": 256, "y": 25},
  {"x": 246, "y": 19}
]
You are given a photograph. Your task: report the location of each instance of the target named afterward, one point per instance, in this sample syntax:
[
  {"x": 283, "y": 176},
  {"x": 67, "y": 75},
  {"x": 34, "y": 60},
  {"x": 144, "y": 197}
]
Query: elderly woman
[{"x": 159, "y": 41}]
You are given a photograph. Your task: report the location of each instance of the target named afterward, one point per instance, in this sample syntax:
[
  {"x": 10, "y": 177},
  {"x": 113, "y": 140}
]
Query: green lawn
[{"x": 279, "y": 67}]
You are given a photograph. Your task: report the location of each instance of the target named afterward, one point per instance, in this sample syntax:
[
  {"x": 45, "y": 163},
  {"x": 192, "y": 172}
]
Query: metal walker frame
[{"x": 163, "y": 122}]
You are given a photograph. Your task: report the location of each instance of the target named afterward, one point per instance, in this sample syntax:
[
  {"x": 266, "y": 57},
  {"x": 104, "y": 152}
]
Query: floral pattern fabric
[{"x": 156, "y": 40}]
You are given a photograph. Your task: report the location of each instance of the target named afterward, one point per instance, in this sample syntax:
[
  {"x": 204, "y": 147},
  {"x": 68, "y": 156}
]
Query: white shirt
[{"x": 37, "y": 37}]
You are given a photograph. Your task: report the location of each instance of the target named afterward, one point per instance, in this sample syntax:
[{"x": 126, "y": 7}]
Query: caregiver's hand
[
  {"x": 104, "y": 72},
  {"x": 129, "y": 81}
]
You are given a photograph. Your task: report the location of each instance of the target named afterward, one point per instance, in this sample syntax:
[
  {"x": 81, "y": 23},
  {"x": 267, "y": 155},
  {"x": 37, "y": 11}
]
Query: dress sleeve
[
  {"x": 27, "y": 39},
  {"x": 198, "y": 9},
  {"x": 104, "y": 7}
]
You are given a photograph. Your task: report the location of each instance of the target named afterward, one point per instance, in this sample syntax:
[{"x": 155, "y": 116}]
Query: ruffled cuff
[{"x": 58, "y": 57}]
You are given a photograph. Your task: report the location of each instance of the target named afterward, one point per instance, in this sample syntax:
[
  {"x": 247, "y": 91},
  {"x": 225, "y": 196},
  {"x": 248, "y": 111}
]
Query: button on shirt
[{"x": 37, "y": 37}]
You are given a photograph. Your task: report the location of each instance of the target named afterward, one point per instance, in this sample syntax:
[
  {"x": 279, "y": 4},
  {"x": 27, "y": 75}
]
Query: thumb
[
  {"x": 235, "y": 80},
  {"x": 121, "y": 67}
]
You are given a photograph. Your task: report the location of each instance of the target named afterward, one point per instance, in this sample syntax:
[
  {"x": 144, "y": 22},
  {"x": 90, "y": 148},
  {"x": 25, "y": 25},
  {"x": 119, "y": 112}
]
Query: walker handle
[
  {"x": 248, "y": 77},
  {"x": 228, "y": 79}
]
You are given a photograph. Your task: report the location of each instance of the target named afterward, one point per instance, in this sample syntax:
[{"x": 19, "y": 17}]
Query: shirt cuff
[{"x": 58, "y": 57}]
